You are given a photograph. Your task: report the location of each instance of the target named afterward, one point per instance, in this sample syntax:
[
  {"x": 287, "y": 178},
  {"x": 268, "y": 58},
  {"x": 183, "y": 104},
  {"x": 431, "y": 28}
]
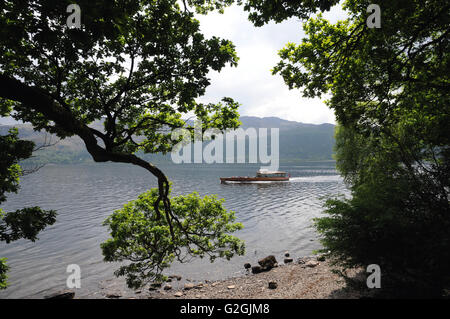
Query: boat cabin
[{"x": 267, "y": 173}]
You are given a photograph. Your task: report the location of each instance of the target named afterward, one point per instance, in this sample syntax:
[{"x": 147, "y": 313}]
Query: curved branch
[{"x": 37, "y": 100}]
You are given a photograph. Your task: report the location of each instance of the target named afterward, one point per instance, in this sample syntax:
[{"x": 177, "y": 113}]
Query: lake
[{"x": 277, "y": 217}]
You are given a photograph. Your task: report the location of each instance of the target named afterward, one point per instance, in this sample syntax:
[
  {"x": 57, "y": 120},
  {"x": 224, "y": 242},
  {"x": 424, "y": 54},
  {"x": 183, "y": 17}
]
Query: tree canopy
[
  {"x": 389, "y": 89},
  {"x": 138, "y": 66},
  {"x": 22, "y": 223},
  {"x": 152, "y": 244}
]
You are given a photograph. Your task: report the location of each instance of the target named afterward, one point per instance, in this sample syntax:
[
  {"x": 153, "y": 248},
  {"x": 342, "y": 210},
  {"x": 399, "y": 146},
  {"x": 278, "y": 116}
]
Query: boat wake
[{"x": 316, "y": 179}]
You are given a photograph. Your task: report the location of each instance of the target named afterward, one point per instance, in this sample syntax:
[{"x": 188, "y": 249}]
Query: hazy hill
[{"x": 298, "y": 141}]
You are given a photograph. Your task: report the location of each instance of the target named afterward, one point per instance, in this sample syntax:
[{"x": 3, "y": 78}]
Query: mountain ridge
[{"x": 298, "y": 141}]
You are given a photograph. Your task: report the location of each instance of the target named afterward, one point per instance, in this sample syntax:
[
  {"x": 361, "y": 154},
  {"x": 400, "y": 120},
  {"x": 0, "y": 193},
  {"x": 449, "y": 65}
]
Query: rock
[
  {"x": 247, "y": 266},
  {"x": 178, "y": 294},
  {"x": 214, "y": 284},
  {"x": 286, "y": 254},
  {"x": 268, "y": 262},
  {"x": 169, "y": 280},
  {"x": 63, "y": 294},
  {"x": 231, "y": 287},
  {"x": 200, "y": 285},
  {"x": 273, "y": 285},
  {"x": 303, "y": 260},
  {"x": 275, "y": 265},
  {"x": 321, "y": 258},
  {"x": 288, "y": 260},
  {"x": 113, "y": 296},
  {"x": 177, "y": 277},
  {"x": 311, "y": 263},
  {"x": 167, "y": 287},
  {"x": 198, "y": 296},
  {"x": 256, "y": 269},
  {"x": 156, "y": 285},
  {"x": 188, "y": 286}
]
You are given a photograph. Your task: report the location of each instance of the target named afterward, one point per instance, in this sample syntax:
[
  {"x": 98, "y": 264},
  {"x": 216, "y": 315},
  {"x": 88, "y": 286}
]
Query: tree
[
  {"x": 397, "y": 216},
  {"x": 263, "y": 11},
  {"x": 138, "y": 66},
  {"x": 389, "y": 90},
  {"x": 23, "y": 223},
  {"x": 138, "y": 235}
]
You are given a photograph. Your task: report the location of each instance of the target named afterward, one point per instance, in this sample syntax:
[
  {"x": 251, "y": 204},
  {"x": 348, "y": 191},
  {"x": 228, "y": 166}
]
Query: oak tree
[{"x": 137, "y": 66}]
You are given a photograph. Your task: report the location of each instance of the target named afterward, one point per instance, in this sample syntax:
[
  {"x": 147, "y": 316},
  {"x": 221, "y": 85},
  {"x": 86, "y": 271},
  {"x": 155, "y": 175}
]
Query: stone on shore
[
  {"x": 247, "y": 266},
  {"x": 273, "y": 285},
  {"x": 303, "y": 260},
  {"x": 311, "y": 263},
  {"x": 188, "y": 286},
  {"x": 177, "y": 277},
  {"x": 286, "y": 254},
  {"x": 256, "y": 269},
  {"x": 268, "y": 262},
  {"x": 288, "y": 260},
  {"x": 64, "y": 294},
  {"x": 167, "y": 287},
  {"x": 178, "y": 294}
]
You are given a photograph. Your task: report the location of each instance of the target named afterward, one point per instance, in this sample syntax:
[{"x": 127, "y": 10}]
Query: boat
[{"x": 262, "y": 175}]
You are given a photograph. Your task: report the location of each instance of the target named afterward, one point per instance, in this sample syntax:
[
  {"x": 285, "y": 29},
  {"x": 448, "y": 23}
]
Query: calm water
[{"x": 276, "y": 217}]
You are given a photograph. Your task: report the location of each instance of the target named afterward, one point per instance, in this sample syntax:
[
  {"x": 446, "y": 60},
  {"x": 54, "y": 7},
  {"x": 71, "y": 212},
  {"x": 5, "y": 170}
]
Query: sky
[{"x": 251, "y": 83}]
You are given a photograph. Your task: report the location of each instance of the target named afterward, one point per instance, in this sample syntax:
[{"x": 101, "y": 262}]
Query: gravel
[
  {"x": 293, "y": 281},
  {"x": 303, "y": 279}
]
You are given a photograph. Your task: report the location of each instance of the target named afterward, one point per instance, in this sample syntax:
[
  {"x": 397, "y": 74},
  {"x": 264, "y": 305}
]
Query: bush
[
  {"x": 149, "y": 244},
  {"x": 398, "y": 217}
]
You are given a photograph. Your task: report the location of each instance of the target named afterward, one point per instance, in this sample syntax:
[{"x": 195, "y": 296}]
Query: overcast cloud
[{"x": 251, "y": 83}]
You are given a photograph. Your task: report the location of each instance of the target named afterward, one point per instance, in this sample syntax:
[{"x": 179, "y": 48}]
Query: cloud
[{"x": 251, "y": 83}]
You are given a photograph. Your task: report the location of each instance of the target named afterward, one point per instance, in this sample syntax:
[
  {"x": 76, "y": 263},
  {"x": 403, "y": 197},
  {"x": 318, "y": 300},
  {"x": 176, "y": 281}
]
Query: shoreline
[{"x": 304, "y": 278}]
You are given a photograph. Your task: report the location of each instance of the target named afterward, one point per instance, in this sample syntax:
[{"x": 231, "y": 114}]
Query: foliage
[
  {"x": 3, "y": 270},
  {"x": 139, "y": 235},
  {"x": 136, "y": 66},
  {"x": 377, "y": 76},
  {"x": 12, "y": 150},
  {"x": 389, "y": 90},
  {"x": 23, "y": 223},
  {"x": 397, "y": 217},
  {"x": 263, "y": 11}
]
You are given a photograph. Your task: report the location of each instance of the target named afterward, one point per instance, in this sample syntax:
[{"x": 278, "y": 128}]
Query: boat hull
[{"x": 253, "y": 179}]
